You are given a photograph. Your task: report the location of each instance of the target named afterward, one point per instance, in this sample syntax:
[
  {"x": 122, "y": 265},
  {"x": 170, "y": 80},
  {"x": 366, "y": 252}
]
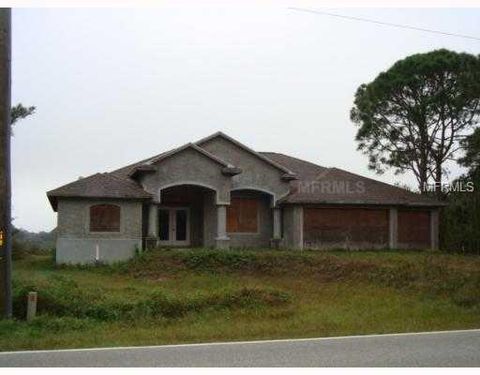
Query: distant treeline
[{"x": 23, "y": 240}]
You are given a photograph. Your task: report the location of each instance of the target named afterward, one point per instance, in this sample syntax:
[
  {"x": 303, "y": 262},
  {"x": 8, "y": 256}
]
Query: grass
[{"x": 198, "y": 295}]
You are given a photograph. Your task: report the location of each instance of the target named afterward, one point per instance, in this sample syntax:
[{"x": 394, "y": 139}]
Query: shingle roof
[
  {"x": 317, "y": 184},
  {"x": 124, "y": 172},
  {"x": 100, "y": 185},
  {"x": 304, "y": 169}
]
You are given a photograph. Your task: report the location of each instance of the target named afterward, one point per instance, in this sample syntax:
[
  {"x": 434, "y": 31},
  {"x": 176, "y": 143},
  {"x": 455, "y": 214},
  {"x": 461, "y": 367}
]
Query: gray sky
[{"x": 116, "y": 86}]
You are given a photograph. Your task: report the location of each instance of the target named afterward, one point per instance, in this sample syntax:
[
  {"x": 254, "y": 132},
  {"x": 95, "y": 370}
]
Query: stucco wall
[
  {"x": 256, "y": 173},
  {"x": 265, "y": 224},
  {"x": 188, "y": 167},
  {"x": 193, "y": 168},
  {"x": 75, "y": 242},
  {"x": 292, "y": 227},
  {"x": 210, "y": 220}
]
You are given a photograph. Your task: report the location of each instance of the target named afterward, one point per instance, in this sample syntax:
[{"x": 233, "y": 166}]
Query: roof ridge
[
  {"x": 246, "y": 148},
  {"x": 294, "y": 157},
  {"x": 194, "y": 147},
  {"x": 123, "y": 180},
  {"x": 74, "y": 182}
]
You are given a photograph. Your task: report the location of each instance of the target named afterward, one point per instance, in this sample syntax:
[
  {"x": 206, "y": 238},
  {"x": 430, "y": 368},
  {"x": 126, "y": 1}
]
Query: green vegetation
[
  {"x": 460, "y": 220},
  {"x": 411, "y": 117},
  {"x": 25, "y": 242},
  {"x": 176, "y": 296}
]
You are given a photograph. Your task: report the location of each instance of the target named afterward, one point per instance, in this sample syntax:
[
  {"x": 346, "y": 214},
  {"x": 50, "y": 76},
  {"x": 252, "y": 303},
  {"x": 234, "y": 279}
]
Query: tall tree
[
  {"x": 5, "y": 180},
  {"x": 412, "y": 117}
]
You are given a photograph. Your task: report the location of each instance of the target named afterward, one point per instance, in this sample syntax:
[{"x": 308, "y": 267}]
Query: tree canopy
[
  {"x": 471, "y": 158},
  {"x": 413, "y": 116},
  {"x": 19, "y": 112}
]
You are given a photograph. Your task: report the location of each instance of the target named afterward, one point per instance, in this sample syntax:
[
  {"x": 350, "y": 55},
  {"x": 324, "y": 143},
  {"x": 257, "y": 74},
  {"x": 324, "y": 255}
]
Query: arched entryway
[{"x": 183, "y": 216}]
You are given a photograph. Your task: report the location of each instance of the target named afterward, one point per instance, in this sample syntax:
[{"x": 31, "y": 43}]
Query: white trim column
[
  {"x": 222, "y": 240},
  {"x": 393, "y": 228}
]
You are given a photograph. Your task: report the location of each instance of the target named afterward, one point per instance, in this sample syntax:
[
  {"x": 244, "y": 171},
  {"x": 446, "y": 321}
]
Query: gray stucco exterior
[
  {"x": 188, "y": 167},
  {"x": 77, "y": 244},
  {"x": 190, "y": 190},
  {"x": 256, "y": 174}
]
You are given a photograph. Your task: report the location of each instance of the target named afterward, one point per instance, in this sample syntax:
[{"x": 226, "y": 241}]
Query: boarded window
[
  {"x": 414, "y": 228},
  {"x": 336, "y": 226},
  {"x": 104, "y": 218},
  {"x": 242, "y": 215}
]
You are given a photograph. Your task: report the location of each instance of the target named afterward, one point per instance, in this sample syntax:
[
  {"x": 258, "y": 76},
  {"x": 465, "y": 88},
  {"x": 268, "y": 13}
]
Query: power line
[{"x": 384, "y": 23}]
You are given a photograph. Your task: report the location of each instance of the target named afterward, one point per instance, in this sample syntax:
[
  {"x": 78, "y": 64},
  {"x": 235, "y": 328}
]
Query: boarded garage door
[
  {"x": 414, "y": 229},
  {"x": 345, "y": 227}
]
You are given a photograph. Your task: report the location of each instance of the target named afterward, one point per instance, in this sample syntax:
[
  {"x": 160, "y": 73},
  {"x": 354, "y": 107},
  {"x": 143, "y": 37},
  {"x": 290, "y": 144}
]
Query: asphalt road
[{"x": 452, "y": 348}]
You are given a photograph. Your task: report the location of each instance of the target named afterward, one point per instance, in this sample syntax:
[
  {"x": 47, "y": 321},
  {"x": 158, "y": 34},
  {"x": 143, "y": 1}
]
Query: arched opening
[{"x": 186, "y": 215}]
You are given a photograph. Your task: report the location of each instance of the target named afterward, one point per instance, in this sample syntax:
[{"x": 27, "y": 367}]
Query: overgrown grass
[
  {"x": 171, "y": 296},
  {"x": 428, "y": 273},
  {"x": 62, "y": 296}
]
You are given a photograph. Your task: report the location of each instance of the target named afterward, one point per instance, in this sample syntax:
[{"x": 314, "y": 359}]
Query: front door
[{"x": 173, "y": 226}]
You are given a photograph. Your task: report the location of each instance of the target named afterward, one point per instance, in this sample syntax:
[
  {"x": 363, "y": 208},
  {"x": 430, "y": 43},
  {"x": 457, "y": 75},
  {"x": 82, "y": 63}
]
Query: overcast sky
[{"x": 113, "y": 87}]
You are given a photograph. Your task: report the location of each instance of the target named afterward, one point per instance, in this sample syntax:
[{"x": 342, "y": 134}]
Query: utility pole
[{"x": 5, "y": 171}]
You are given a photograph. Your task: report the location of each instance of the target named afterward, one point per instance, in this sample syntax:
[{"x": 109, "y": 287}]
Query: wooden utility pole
[{"x": 5, "y": 172}]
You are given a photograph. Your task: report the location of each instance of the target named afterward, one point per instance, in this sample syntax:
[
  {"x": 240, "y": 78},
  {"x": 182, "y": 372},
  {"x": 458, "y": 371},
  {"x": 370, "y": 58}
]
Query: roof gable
[
  {"x": 219, "y": 134},
  {"x": 187, "y": 146},
  {"x": 121, "y": 184}
]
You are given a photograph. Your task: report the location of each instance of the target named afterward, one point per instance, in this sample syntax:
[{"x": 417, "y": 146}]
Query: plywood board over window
[
  {"x": 414, "y": 228},
  {"x": 105, "y": 218},
  {"x": 242, "y": 215},
  {"x": 354, "y": 225}
]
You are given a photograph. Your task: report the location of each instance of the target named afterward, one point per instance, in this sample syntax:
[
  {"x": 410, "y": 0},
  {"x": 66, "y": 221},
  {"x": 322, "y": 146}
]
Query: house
[{"x": 217, "y": 192}]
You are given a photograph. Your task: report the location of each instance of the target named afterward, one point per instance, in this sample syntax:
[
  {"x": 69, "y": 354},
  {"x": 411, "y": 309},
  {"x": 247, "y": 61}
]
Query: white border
[{"x": 297, "y": 3}]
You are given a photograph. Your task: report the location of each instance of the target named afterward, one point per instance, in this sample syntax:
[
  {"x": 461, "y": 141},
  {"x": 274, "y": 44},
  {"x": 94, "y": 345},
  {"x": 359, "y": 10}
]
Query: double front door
[{"x": 174, "y": 226}]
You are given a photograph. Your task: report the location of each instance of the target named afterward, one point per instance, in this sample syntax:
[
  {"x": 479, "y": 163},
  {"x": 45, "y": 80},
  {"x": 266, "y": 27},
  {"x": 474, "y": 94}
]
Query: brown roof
[
  {"x": 304, "y": 169},
  {"x": 124, "y": 172},
  {"x": 317, "y": 184},
  {"x": 100, "y": 185}
]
